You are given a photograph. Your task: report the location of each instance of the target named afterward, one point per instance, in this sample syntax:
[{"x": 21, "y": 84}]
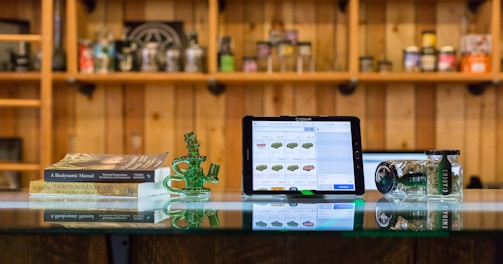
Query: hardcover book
[
  {"x": 72, "y": 202},
  {"x": 85, "y": 167},
  {"x": 117, "y": 189}
]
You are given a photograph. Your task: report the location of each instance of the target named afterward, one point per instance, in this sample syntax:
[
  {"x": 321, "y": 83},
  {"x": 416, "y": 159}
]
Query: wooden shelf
[
  {"x": 20, "y": 167},
  {"x": 20, "y": 103},
  {"x": 20, "y": 76},
  {"x": 20, "y": 37},
  {"x": 263, "y": 77},
  {"x": 134, "y": 77},
  {"x": 436, "y": 77}
]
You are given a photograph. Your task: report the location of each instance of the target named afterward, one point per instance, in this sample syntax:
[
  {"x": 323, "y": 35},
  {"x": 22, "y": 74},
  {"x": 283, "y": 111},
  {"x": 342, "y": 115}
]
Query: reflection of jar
[
  {"x": 444, "y": 175},
  {"x": 401, "y": 178},
  {"x": 444, "y": 216},
  {"x": 407, "y": 215},
  {"x": 411, "y": 59}
]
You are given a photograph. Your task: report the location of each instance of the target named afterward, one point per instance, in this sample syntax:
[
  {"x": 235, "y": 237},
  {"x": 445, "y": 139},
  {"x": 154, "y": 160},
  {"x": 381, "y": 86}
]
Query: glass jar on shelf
[
  {"x": 401, "y": 178},
  {"x": 444, "y": 175},
  {"x": 305, "y": 61}
]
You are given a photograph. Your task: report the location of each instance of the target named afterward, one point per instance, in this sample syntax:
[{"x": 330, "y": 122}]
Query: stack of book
[{"x": 86, "y": 187}]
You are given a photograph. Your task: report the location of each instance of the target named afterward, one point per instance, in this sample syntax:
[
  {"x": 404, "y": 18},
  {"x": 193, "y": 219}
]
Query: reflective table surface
[{"x": 481, "y": 211}]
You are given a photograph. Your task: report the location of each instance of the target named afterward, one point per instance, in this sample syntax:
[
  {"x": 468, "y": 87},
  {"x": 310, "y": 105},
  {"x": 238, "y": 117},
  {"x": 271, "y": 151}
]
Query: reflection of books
[
  {"x": 86, "y": 216},
  {"x": 85, "y": 167},
  {"x": 98, "y": 203},
  {"x": 125, "y": 189}
]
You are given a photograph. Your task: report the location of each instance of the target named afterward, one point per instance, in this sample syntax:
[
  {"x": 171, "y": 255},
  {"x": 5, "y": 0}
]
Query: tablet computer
[{"x": 302, "y": 155}]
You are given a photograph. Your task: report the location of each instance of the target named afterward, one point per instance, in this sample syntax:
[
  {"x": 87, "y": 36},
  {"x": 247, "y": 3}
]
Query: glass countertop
[{"x": 481, "y": 211}]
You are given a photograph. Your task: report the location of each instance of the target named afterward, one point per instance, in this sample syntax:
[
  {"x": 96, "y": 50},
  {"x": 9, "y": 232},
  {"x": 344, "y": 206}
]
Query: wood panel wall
[{"x": 147, "y": 118}]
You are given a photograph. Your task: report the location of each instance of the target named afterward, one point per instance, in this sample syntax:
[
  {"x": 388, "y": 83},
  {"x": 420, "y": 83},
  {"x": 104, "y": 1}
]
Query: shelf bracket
[
  {"x": 90, "y": 4},
  {"x": 479, "y": 88},
  {"x": 222, "y": 5},
  {"x": 118, "y": 247},
  {"x": 343, "y": 5},
  {"x": 348, "y": 88},
  {"x": 215, "y": 87},
  {"x": 474, "y": 5},
  {"x": 86, "y": 89}
]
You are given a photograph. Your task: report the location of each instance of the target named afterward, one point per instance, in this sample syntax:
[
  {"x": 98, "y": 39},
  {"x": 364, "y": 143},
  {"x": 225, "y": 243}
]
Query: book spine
[
  {"x": 100, "y": 176},
  {"x": 82, "y": 216},
  {"x": 84, "y": 188}
]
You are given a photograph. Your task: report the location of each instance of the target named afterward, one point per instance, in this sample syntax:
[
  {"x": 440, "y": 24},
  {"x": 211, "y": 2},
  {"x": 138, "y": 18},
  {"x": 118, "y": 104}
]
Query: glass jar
[
  {"x": 447, "y": 59},
  {"x": 264, "y": 56},
  {"x": 305, "y": 61},
  {"x": 286, "y": 52},
  {"x": 411, "y": 59},
  {"x": 401, "y": 178},
  {"x": 444, "y": 175},
  {"x": 249, "y": 64},
  {"x": 428, "y": 59},
  {"x": 366, "y": 64},
  {"x": 401, "y": 214}
]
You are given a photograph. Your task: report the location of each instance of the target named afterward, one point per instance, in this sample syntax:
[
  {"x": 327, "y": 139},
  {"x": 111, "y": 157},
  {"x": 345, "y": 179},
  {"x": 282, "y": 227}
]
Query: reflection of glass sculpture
[
  {"x": 191, "y": 216},
  {"x": 193, "y": 175}
]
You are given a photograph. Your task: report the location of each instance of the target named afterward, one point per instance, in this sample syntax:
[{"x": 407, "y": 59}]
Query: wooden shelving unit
[{"x": 44, "y": 77}]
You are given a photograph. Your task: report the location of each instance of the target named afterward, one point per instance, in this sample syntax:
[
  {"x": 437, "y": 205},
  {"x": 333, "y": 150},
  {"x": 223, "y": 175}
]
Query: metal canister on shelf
[
  {"x": 366, "y": 64},
  {"x": 428, "y": 59},
  {"x": 401, "y": 178},
  {"x": 429, "y": 39},
  {"x": 305, "y": 62},
  {"x": 249, "y": 64},
  {"x": 411, "y": 59},
  {"x": 149, "y": 62},
  {"x": 291, "y": 34},
  {"x": 285, "y": 53},
  {"x": 447, "y": 59},
  {"x": 86, "y": 59},
  {"x": 173, "y": 60},
  {"x": 384, "y": 66}
]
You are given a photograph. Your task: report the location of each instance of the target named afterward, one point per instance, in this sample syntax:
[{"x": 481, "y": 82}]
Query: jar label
[
  {"x": 444, "y": 176},
  {"x": 413, "y": 179},
  {"x": 445, "y": 217}
]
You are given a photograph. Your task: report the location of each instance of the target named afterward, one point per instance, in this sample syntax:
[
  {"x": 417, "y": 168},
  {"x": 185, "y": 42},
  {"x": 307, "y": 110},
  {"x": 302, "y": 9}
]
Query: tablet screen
[{"x": 302, "y": 155}]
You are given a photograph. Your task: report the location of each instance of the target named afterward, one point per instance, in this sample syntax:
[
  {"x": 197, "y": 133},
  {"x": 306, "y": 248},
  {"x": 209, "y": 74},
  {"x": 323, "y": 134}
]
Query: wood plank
[
  {"x": 487, "y": 153},
  {"x": 400, "y": 117},
  {"x": 373, "y": 136},
  {"x": 64, "y": 120},
  {"x": 425, "y": 94},
  {"x": 451, "y": 124},
  {"x": 472, "y": 135},
  {"x": 114, "y": 131},
  {"x": 341, "y": 59},
  {"x": 210, "y": 131},
  {"x": 236, "y": 109},
  {"x": 90, "y": 122},
  {"x": 324, "y": 48},
  {"x": 499, "y": 135},
  {"x": 400, "y": 30},
  {"x": 159, "y": 97},
  {"x": 235, "y": 28}
]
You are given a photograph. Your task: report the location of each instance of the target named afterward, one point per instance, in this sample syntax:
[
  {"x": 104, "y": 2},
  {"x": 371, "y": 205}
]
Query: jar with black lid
[
  {"x": 401, "y": 178},
  {"x": 411, "y": 59},
  {"x": 428, "y": 59},
  {"x": 444, "y": 175}
]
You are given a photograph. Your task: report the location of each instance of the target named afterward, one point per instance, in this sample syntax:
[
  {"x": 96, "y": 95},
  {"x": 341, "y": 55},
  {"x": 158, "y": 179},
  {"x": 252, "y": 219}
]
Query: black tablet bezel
[{"x": 247, "y": 154}]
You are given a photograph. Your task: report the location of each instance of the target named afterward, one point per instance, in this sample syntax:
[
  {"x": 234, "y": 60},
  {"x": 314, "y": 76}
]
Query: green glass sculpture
[
  {"x": 191, "y": 216},
  {"x": 192, "y": 172}
]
